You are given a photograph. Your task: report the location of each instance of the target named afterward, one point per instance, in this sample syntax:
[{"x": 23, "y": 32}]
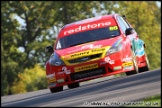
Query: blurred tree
[
  {"x": 36, "y": 34},
  {"x": 30, "y": 80},
  {"x": 10, "y": 56}
]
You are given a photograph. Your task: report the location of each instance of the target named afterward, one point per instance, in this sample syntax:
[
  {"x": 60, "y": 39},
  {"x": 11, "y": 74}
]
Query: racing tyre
[
  {"x": 56, "y": 89},
  {"x": 73, "y": 85},
  {"x": 135, "y": 71},
  {"x": 147, "y": 67}
]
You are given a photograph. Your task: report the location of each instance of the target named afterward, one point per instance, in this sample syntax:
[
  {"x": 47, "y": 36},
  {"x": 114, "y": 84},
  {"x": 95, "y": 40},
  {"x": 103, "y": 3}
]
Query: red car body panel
[{"x": 99, "y": 64}]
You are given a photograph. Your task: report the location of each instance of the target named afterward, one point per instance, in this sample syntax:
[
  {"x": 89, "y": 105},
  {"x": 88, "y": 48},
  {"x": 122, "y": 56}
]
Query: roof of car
[{"x": 93, "y": 19}]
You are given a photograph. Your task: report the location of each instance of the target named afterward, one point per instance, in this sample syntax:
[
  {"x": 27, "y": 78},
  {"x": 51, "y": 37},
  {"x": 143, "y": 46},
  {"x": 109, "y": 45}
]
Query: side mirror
[
  {"x": 129, "y": 31},
  {"x": 124, "y": 16},
  {"x": 48, "y": 49}
]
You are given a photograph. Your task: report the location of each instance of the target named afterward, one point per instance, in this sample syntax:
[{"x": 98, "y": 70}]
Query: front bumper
[{"x": 64, "y": 75}]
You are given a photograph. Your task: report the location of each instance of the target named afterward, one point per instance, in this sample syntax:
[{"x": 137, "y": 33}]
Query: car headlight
[
  {"x": 114, "y": 49},
  {"x": 55, "y": 60}
]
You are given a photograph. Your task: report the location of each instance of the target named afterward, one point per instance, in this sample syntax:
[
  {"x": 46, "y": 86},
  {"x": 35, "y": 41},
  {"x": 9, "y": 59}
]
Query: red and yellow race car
[{"x": 93, "y": 48}]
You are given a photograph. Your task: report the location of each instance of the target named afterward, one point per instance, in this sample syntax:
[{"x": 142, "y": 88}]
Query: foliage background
[{"x": 22, "y": 45}]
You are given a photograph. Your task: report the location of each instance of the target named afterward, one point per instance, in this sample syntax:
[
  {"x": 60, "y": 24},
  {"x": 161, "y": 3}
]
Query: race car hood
[
  {"x": 88, "y": 46},
  {"x": 87, "y": 49}
]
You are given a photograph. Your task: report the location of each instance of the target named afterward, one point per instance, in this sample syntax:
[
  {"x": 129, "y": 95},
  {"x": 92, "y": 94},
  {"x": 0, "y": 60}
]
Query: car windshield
[{"x": 87, "y": 36}]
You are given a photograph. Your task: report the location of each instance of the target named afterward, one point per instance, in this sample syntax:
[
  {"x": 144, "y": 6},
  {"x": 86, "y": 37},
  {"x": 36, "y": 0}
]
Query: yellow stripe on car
[
  {"x": 84, "y": 53},
  {"x": 102, "y": 50}
]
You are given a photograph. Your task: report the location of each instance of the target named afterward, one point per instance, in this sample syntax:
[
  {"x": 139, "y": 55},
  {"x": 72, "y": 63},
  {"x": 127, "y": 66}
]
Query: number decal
[{"x": 113, "y": 28}]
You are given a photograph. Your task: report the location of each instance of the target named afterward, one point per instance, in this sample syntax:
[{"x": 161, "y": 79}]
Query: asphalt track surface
[{"x": 124, "y": 90}]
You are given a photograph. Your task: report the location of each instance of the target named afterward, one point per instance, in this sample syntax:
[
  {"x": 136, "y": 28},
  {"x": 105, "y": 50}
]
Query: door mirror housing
[
  {"x": 129, "y": 31},
  {"x": 124, "y": 16},
  {"x": 49, "y": 49}
]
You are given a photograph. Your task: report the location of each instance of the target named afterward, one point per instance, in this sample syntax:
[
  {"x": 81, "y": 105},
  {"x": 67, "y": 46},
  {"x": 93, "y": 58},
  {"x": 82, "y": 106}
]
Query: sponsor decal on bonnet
[
  {"x": 85, "y": 53},
  {"x": 91, "y": 46},
  {"x": 87, "y": 46}
]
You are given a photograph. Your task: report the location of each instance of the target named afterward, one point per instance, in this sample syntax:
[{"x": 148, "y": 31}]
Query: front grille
[
  {"x": 87, "y": 73},
  {"x": 83, "y": 59}
]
